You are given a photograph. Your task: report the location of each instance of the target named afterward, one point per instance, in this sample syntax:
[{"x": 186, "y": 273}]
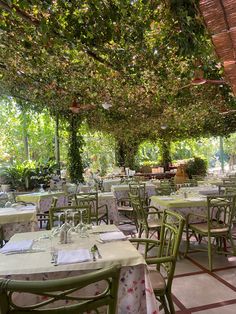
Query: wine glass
[
  {"x": 41, "y": 188},
  {"x": 81, "y": 227},
  {"x": 10, "y": 199}
]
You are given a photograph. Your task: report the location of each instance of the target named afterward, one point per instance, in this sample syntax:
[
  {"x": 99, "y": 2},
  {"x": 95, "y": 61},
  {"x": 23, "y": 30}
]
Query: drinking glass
[
  {"x": 41, "y": 188},
  {"x": 81, "y": 227}
]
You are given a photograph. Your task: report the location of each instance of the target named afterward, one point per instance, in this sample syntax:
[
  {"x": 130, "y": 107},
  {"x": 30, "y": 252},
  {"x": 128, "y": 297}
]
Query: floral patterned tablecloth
[
  {"x": 121, "y": 191},
  {"x": 135, "y": 294},
  {"x": 43, "y": 200},
  {"x": 19, "y": 219},
  {"x": 107, "y": 198}
]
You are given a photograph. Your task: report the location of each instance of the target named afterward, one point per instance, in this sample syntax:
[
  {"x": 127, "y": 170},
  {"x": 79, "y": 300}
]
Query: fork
[
  {"x": 97, "y": 250},
  {"x": 93, "y": 253}
]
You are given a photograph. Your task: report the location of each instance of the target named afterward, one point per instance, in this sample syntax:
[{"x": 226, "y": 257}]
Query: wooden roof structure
[{"x": 220, "y": 19}]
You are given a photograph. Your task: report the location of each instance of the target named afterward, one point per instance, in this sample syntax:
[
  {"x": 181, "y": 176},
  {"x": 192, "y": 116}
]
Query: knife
[{"x": 23, "y": 252}]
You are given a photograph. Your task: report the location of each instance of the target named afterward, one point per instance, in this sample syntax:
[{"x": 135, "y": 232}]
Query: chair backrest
[
  {"x": 167, "y": 248},
  {"x": 44, "y": 204},
  {"x": 59, "y": 213},
  {"x": 164, "y": 189},
  {"x": 229, "y": 180},
  {"x": 220, "y": 210},
  {"x": 64, "y": 290},
  {"x": 58, "y": 201},
  {"x": 230, "y": 190},
  {"x": 137, "y": 204},
  {"x": 89, "y": 199},
  {"x": 138, "y": 189},
  {"x": 170, "y": 236},
  {"x": 224, "y": 186}
]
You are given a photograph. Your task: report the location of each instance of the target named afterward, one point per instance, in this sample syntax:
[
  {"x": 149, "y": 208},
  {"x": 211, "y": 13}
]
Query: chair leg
[
  {"x": 140, "y": 231},
  {"x": 164, "y": 304},
  {"x": 187, "y": 242},
  {"x": 233, "y": 248},
  {"x": 209, "y": 253},
  {"x": 170, "y": 302}
]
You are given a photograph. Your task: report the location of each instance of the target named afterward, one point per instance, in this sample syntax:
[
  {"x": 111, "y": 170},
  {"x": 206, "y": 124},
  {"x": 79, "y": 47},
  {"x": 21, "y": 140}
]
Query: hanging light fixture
[
  {"x": 75, "y": 107},
  {"x": 106, "y": 105}
]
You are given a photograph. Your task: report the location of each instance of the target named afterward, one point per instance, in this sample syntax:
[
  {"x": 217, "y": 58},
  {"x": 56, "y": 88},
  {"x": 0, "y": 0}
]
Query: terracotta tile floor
[{"x": 197, "y": 290}]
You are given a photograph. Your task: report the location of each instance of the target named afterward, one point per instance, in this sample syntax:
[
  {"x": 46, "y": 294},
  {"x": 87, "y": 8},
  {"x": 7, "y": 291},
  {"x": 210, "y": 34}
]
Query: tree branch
[{"x": 25, "y": 16}]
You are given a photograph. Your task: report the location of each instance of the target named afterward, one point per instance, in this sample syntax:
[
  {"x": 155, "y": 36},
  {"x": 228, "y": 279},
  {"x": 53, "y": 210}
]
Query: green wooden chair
[
  {"x": 139, "y": 189},
  {"x": 124, "y": 206},
  {"x": 91, "y": 199},
  {"x": 166, "y": 187},
  {"x": 58, "y": 214},
  {"x": 147, "y": 218},
  {"x": 215, "y": 226},
  {"x": 62, "y": 289},
  {"x": 163, "y": 255},
  {"x": 224, "y": 186}
]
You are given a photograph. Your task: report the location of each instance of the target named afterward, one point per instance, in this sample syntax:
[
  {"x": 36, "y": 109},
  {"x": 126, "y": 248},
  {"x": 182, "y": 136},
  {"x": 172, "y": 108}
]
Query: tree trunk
[
  {"x": 165, "y": 154},
  {"x": 125, "y": 154},
  {"x": 25, "y": 135},
  {"x": 75, "y": 166},
  {"x": 57, "y": 143}
]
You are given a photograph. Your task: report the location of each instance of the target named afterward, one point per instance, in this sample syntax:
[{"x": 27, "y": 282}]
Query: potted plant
[{"x": 5, "y": 180}]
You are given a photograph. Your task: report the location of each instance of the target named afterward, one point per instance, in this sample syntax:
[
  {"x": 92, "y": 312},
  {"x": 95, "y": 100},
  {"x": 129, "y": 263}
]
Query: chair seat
[
  {"x": 154, "y": 224},
  {"x": 158, "y": 282},
  {"x": 128, "y": 229},
  {"x": 125, "y": 208},
  {"x": 203, "y": 228}
]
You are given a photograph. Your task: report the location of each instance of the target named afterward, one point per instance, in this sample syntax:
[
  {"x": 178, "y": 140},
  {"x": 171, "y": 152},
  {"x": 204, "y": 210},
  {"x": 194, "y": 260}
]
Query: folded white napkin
[
  {"x": 18, "y": 246},
  {"x": 166, "y": 198},
  {"x": 73, "y": 256},
  {"x": 194, "y": 199},
  {"x": 112, "y": 236}
]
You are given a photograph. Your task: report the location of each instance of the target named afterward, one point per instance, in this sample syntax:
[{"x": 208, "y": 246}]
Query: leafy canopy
[{"x": 138, "y": 55}]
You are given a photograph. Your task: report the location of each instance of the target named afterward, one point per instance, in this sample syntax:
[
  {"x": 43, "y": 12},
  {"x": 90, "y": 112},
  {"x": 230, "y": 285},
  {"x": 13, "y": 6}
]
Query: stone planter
[{"x": 5, "y": 187}]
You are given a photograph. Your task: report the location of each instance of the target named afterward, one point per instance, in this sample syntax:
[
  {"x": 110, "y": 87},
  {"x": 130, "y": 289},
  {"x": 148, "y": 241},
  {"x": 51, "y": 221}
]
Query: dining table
[
  {"x": 196, "y": 204},
  {"x": 107, "y": 198},
  {"x": 201, "y": 189},
  {"x": 121, "y": 191},
  {"x": 17, "y": 219},
  {"x": 107, "y": 183},
  {"x": 42, "y": 200},
  {"x": 135, "y": 293}
]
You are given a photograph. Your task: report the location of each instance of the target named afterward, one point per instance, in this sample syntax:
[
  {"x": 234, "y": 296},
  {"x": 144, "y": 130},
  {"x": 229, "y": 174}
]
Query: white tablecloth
[
  {"x": 107, "y": 184},
  {"x": 184, "y": 206},
  {"x": 135, "y": 294},
  {"x": 43, "y": 200},
  {"x": 18, "y": 219},
  {"x": 121, "y": 191}
]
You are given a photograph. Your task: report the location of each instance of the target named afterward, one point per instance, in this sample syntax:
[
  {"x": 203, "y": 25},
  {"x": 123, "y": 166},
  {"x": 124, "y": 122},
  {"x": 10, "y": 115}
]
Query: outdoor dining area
[
  {"x": 51, "y": 236},
  {"x": 117, "y": 157}
]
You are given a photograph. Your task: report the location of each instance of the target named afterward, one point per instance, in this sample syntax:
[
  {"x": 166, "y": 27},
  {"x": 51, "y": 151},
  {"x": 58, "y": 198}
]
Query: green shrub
[{"x": 196, "y": 166}]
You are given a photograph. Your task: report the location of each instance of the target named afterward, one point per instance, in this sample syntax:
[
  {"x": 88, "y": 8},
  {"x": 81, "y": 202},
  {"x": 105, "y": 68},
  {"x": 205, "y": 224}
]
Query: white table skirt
[
  {"x": 16, "y": 220},
  {"x": 135, "y": 294},
  {"x": 122, "y": 191}
]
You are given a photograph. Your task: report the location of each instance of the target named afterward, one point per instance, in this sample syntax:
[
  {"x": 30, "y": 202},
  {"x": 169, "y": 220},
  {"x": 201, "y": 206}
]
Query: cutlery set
[{"x": 94, "y": 250}]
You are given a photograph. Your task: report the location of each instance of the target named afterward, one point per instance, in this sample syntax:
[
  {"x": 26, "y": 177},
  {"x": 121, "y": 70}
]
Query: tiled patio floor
[{"x": 197, "y": 290}]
